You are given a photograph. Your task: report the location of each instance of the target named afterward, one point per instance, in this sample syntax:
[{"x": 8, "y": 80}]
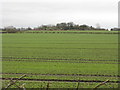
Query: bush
[{"x": 11, "y": 30}]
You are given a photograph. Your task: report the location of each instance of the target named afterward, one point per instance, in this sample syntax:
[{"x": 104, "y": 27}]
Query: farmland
[{"x": 63, "y": 59}]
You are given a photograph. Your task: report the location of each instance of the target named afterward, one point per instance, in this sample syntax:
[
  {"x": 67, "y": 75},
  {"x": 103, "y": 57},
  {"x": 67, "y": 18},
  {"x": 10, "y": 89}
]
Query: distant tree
[
  {"x": 84, "y": 27},
  {"x": 62, "y": 26},
  {"x": 29, "y": 28},
  {"x": 10, "y": 29},
  {"x": 92, "y": 28},
  {"x": 65, "y": 26},
  {"x": 58, "y": 26},
  {"x": 76, "y": 27},
  {"x": 44, "y": 27},
  {"x": 70, "y": 25}
]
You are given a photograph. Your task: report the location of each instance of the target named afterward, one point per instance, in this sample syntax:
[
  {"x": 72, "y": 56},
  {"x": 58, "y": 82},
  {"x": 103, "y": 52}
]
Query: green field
[{"x": 61, "y": 56}]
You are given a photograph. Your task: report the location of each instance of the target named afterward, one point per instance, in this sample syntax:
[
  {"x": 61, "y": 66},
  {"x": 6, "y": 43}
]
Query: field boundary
[
  {"x": 56, "y": 32},
  {"x": 77, "y": 32}
]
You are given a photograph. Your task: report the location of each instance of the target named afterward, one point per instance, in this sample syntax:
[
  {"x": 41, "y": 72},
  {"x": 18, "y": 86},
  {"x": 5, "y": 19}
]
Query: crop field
[{"x": 61, "y": 59}]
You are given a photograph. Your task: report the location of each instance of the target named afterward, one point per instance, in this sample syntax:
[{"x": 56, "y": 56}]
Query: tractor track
[
  {"x": 59, "y": 80},
  {"x": 93, "y": 75},
  {"x": 61, "y": 61},
  {"x": 56, "y": 59}
]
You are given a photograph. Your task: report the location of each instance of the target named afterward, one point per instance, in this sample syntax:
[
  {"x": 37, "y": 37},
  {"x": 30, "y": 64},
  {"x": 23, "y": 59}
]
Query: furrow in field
[
  {"x": 59, "y": 80},
  {"x": 61, "y": 74},
  {"x": 92, "y": 48},
  {"x": 60, "y": 61},
  {"x": 56, "y": 59}
]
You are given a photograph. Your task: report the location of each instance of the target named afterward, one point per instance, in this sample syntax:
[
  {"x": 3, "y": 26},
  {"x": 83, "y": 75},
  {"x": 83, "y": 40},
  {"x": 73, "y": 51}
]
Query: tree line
[
  {"x": 58, "y": 26},
  {"x": 67, "y": 26}
]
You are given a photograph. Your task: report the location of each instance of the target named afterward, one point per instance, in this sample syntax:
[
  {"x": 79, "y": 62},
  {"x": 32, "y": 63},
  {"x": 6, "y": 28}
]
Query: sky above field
[{"x": 33, "y": 13}]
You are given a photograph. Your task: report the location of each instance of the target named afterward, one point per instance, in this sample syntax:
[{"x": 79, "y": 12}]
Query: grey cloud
[
  {"x": 36, "y": 13},
  {"x": 56, "y": 7}
]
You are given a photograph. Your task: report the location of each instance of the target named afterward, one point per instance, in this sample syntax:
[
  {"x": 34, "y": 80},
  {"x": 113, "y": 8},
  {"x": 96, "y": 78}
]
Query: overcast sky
[{"x": 32, "y": 13}]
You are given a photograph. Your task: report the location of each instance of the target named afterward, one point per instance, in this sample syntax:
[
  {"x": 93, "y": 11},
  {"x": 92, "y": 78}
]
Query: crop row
[
  {"x": 61, "y": 61},
  {"x": 91, "y": 75},
  {"x": 23, "y": 58}
]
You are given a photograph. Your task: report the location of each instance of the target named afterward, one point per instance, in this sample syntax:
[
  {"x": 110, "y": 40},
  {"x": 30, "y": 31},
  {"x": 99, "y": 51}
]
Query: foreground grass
[{"x": 38, "y": 84}]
